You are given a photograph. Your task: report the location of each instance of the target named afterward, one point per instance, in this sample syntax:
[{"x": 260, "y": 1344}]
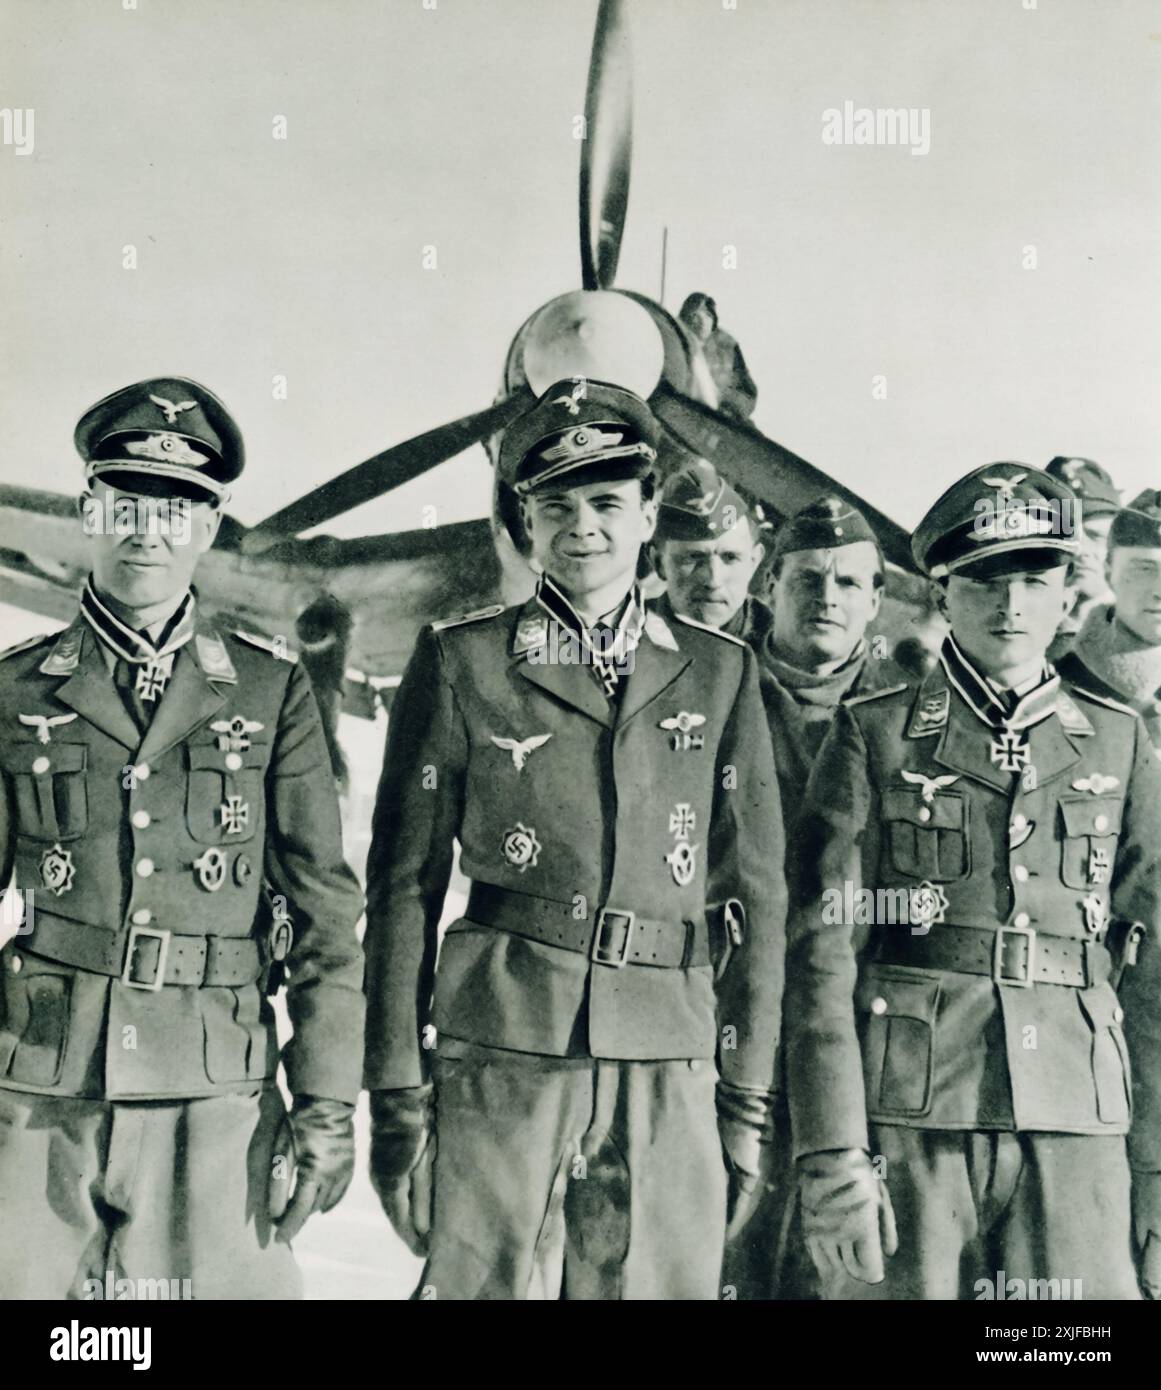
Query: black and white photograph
[{"x": 580, "y": 691}]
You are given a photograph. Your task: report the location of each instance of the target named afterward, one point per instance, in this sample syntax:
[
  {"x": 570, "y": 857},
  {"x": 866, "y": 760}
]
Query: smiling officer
[
  {"x": 605, "y": 773},
  {"x": 155, "y": 771},
  {"x": 969, "y": 1068}
]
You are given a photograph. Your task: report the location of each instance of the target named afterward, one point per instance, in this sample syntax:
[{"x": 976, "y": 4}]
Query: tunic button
[
  {"x": 144, "y": 868},
  {"x": 1101, "y": 824},
  {"x": 1020, "y": 873},
  {"x": 878, "y": 1006},
  {"x": 233, "y": 761},
  {"x": 1118, "y": 1014},
  {"x": 40, "y": 766},
  {"x": 17, "y": 965},
  {"x": 141, "y": 819},
  {"x": 1021, "y": 919},
  {"x": 141, "y": 772},
  {"x": 1019, "y": 822},
  {"x": 142, "y": 917},
  {"x": 924, "y": 813}
]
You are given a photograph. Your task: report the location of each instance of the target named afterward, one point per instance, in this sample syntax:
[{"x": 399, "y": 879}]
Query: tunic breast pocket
[
  {"x": 223, "y": 803},
  {"x": 52, "y": 800},
  {"x": 927, "y": 839},
  {"x": 1088, "y": 829}
]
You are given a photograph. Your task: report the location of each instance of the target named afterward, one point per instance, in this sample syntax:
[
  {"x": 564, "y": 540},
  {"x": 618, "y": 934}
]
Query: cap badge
[
  {"x": 520, "y": 847},
  {"x": 43, "y": 723},
  {"x": 520, "y": 748},
  {"x": 680, "y": 726},
  {"x": 576, "y": 442},
  {"x": 165, "y": 448},
  {"x": 1006, "y": 487},
  {"x": 171, "y": 409},
  {"x": 57, "y": 870},
  {"x": 1098, "y": 784},
  {"x": 571, "y": 403}
]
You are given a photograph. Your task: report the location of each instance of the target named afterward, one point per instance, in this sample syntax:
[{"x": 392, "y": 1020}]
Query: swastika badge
[
  {"x": 57, "y": 870},
  {"x": 520, "y": 847}
]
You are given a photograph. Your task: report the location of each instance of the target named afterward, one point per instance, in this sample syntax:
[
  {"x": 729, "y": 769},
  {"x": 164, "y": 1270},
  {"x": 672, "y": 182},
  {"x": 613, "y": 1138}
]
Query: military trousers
[
  {"x": 1001, "y": 1215},
  {"x": 142, "y": 1199},
  {"x": 574, "y": 1178}
]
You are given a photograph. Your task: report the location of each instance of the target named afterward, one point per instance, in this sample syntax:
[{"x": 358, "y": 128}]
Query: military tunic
[
  {"x": 136, "y": 977},
  {"x": 992, "y": 1019},
  {"x": 576, "y": 1001}
]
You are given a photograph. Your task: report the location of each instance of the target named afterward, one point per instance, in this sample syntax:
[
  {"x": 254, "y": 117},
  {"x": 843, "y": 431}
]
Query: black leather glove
[
  {"x": 402, "y": 1154},
  {"x": 315, "y": 1151},
  {"x": 846, "y": 1215},
  {"x": 1147, "y": 1230},
  {"x": 744, "y": 1119}
]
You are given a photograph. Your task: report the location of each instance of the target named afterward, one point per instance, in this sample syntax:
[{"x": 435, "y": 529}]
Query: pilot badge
[{"x": 57, "y": 870}]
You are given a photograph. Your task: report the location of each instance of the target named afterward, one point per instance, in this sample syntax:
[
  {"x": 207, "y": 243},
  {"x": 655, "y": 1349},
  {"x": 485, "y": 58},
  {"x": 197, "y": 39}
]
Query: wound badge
[
  {"x": 1095, "y": 914},
  {"x": 211, "y": 869},
  {"x": 680, "y": 726},
  {"x": 520, "y": 847},
  {"x": 57, "y": 870}
]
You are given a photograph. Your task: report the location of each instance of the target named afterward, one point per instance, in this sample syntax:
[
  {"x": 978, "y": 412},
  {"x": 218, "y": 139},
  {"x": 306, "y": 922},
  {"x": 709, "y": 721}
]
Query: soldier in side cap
[
  {"x": 606, "y": 773},
  {"x": 963, "y": 1081},
  {"x": 158, "y": 774},
  {"x": 1100, "y": 501},
  {"x": 1118, "y": 650}
]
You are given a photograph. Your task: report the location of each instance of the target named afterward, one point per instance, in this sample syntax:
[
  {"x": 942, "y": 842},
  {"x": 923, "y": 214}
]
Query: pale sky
[{"x": 453, "y": 127}]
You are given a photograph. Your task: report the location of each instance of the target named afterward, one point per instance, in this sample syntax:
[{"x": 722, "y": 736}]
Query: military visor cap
[
  {"x": 1089, "y": 481},
  {"x": 577, "y": 430},
  {"x": 825, "y": 523},
  {"x": 170, "y": 430},
  {"x": 697, "y": 504},
  {"x": 1002, "y": 509},
  {"x": 1140, "y": 522}
]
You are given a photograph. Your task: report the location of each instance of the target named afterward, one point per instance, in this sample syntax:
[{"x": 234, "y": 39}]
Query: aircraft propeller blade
[
  {"x": 607, "y": 147},
  {"x": 779, "y": 478},
  {"x": 386, "y": 471}
]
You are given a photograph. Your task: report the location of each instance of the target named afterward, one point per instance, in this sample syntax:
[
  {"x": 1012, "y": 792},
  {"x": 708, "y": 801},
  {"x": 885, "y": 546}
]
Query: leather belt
[
  {"x": 1019, "y": 956},
  {"x": 146, "y": 957},
  {"x": 617, "y": 937}
]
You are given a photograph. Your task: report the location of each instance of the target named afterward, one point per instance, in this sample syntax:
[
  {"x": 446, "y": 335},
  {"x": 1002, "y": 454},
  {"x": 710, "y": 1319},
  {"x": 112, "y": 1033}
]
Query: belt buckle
[
  {"x": 135, "y": 934},
  {"x": 599, "y": 953},
  {"x": 998, "y": 976}
]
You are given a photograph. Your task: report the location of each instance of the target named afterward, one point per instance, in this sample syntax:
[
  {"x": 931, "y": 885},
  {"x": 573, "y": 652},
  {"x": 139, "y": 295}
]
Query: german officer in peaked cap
[
  {"x": 964, "y": 1081},
  {"x": 157, "y": 772},
  {"x": 607, "y": 773}
]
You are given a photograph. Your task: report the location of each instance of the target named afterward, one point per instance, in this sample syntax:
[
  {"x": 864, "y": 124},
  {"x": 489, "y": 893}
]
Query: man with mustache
[
  {"x": 157, "y": 768},
  {"x": 606, "y": 773},
  {"x": 960, "y": 1087}
]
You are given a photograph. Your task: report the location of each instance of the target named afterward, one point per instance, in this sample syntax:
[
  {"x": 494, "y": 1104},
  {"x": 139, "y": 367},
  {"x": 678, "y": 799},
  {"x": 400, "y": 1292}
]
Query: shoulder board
[
  {"x": 493, "y": 610},
  {"x": 24, "y": 646},
  {"x": 277, "y": 648},
  {"x": 877, "y": 694},
  {"x": 1105, "y": 700},
  {"x": 705, "y": 627}
]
